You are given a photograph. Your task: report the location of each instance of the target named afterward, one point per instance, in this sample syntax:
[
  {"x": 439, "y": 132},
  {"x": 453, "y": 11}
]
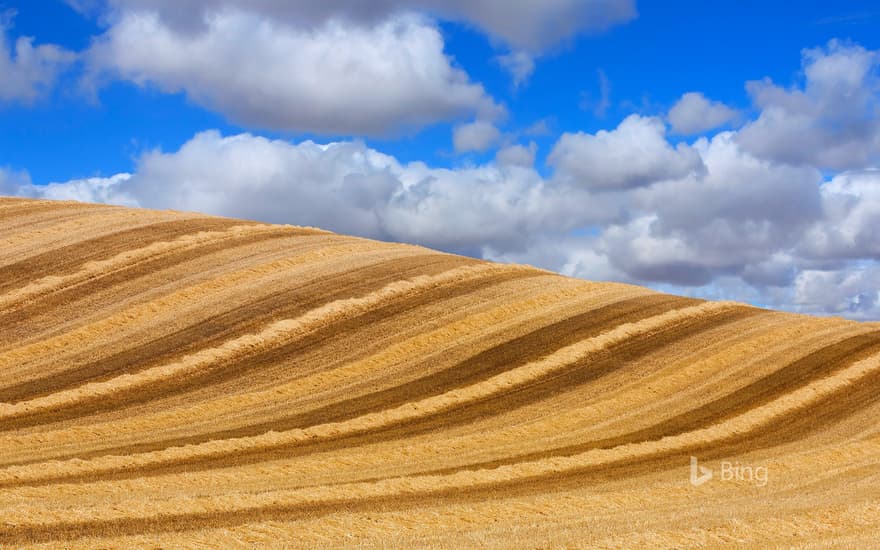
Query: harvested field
[{"x": 179, "y": 380}]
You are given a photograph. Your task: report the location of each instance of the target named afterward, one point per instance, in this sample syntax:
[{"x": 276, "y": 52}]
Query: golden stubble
[{"x": 513, "y": 457}]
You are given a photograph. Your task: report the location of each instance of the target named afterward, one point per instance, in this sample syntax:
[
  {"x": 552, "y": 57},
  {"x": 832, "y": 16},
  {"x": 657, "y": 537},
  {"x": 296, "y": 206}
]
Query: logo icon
[{"x": 699, "y": 474}]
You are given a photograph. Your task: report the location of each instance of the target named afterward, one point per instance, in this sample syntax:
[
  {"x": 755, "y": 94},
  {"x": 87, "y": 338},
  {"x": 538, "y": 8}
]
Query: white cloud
[
  {"x": 740, "y": 226},
  {"x": 852, "y": 292},
  {"x": 731, "y": 217},
  {"x": 342, "y": 186},
  {"x": 539, "y": 128},
  {"x": 693, "y": 113},
  {"x": 517, "y": 155},
  {"x": 722, "y": 216},
  {"x": 475, "y": 136},
  {"x": 634, "y": 154},
  {"x": 13, "y": 182},
  {"x": 336, "y": 79},
  {"x": 97, "y": 189},
  {"x": 530, "y": 25},
  {"x": 850, "y": 228},
  {"x": 575, "y": 256},
  {"x": 339, "y": 186},
  {"x": 471, "y": 208},
  {"x": 743, "y": 228},
  {"x": 737, "y": 187},
  {"x": 833, "y": 122},
  {"x": 27, "y": 72},
  {"x": 519, "y": 64},
  {"x": 746, "y": 228},
  {"x": 343, "y": 67}
]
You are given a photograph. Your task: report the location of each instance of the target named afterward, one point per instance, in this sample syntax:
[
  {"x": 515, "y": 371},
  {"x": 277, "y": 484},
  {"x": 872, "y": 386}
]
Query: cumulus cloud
[
  {"x": 634, "y": 154},
  {"x": 28, "y": 71},
  {"x": 716, "y": 217},
  {"x": 475, "y": 136},
  {"x": 530, "y": 25},
  {"x": 745, "y": 228},
  {"x": 335, "y": 79},
  {"x": 850, "y": 227},
  {"x": 97, "y": 189},
  {"x": 343, "y": 186},
  {"x": 737, "y": 187},
  {"x": 343, "y": 67},
  {"x": 253, "y": 177},
  {"x": 852, "y": 292},
  {"x": 832, "y": 122},
  {"x": 740, "y": 226},
  {"x": 735, "y": 215},
  {"x": 517, "y": 155},
  {"x": 693, "y": 113}
]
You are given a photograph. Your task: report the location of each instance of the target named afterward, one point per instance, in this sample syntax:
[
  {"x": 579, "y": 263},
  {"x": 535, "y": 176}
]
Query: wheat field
[{"x": 178, "y": 380}]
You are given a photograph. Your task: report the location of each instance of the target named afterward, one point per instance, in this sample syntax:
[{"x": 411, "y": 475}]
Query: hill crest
[{"x": 179, "y": 379}]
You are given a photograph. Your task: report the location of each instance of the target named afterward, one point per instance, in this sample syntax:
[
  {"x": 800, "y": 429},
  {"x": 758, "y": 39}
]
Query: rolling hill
[{"x": 174, "y": 380}]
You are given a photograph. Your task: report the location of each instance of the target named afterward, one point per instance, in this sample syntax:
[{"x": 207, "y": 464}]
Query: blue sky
[
  {"x": 668, "y": 50},
  {"x": 581, "y": 159}
]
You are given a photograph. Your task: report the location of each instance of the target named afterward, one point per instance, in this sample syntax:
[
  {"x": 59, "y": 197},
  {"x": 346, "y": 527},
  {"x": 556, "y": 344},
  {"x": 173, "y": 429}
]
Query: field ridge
[{"x": 181, "y": 380}]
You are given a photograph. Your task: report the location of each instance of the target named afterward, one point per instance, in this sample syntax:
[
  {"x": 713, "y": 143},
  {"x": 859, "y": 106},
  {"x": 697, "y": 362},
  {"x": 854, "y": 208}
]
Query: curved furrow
[
  {"x": 174, "y": 379},
  {"x": 495, "y": 385},
  {"x": 434, "y": 381},
  {"x": 470, "y": 332},
  {"x": 158, "y": 288},
  {"x": 306, "y": 256},
  {"x": 377, "y": 260},
  {"x": 547, "y": 424},
  {"x": 75, "y": 226},
  {"x": 27, "y": 217},
  {"x": 259, "y": 478},
  {"x": 90, "y": 302},
  {"x": 9, "y": 201},
  {"x": 12, "y": 214},
  {"x": 800, "y": 373},
  {"x": 64, "y": 314},
  {"x": 95, "y": 270},
  {"x": 307, "y": 384},
  {"x": 173, "y": 344},
  {"x": 73, "y": 256},
  {"x": 242, "y": 348},
  {"x": 29, "y": 523}
]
